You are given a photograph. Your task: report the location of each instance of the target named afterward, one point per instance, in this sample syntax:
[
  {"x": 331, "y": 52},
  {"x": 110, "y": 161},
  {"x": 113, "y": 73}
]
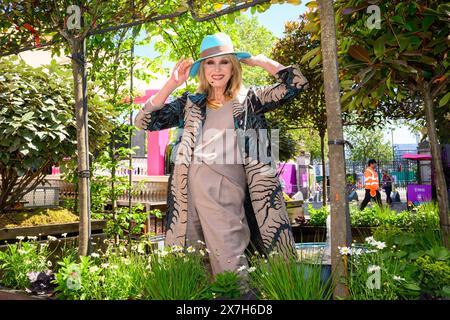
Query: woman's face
[{"x": 218, "y": 71}]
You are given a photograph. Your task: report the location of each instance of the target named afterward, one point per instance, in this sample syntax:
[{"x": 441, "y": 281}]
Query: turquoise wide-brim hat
[{"x": 216, "y": 45}]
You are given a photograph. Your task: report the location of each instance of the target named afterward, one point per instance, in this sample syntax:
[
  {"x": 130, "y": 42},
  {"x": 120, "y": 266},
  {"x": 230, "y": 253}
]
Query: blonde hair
[{"x": 233, "y": 85}]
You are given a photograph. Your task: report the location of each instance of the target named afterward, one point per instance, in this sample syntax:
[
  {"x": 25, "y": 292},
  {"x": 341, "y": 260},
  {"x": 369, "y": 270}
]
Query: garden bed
[{"x": 50, "y": 229}]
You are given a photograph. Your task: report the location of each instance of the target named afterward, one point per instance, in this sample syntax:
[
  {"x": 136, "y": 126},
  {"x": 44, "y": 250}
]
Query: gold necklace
[{"x": 214, "y": 104}]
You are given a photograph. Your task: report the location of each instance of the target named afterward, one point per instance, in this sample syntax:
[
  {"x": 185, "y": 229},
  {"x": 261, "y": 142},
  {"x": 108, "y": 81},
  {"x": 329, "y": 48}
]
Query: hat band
[{"x": 215, "y": 50}]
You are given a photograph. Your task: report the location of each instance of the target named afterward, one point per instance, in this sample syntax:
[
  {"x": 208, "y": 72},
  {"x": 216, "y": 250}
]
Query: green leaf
[
  {"x": 315, "y": 61},
  {"x": 27, "y": 116},
  {"x": 427, "y": 22},
  {"x": 412, "y": 286},
  {"x": 398, "y": 19},
  {"x": 379, "y": 46},
  {"x": 310, "y": 53},
  {"x": 444, "y": 100}
]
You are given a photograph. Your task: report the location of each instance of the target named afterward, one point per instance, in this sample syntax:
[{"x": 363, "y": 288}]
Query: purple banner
[{"x": 419, "y": 192}]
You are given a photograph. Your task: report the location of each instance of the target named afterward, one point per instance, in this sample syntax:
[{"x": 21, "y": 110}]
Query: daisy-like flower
[
  {"x": 93, "y": 269},
  {"x": 51, "y": 238},
  {"x": 201, "y": 242},
  {"x": 95, "y": 255},
  {"x": 177, "y": 248},
  {"x": 49, "y": 264},
  {"x": 21, "y": 251},
  {"x": 397, "y": 278},
  {"x": 380, "y": 245},
  {"x": 241, "y": 268},
  {"x": 370, "y": 240},
  {"x": 32, "y": 238},
  {"x": 20, "y": 238},
  {"x": 344, "y": 251},
  {"x": 104, "y": 265},
  {"x": 190, "y": 249},
  {"x": 251, "y": 269},
  {"x": 373, "y": 268},
  {"x": 64, "y": 235}
]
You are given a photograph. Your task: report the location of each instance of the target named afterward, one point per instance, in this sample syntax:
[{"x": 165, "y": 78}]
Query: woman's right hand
[{"x": 180, "y": 72}]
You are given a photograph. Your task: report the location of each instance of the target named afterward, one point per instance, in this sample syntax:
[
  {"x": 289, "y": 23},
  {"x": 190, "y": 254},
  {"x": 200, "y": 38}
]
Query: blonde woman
[{"x": 231, "y": 205}]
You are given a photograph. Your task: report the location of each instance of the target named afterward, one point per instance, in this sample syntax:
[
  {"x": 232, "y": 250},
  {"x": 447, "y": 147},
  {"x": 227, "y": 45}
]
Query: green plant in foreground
[
  {"x": 21, "y": 258},
  {"x": 176, "y": 274},
  {"x": 226, "y": 285},
  {"x": 280, "y": 278}
]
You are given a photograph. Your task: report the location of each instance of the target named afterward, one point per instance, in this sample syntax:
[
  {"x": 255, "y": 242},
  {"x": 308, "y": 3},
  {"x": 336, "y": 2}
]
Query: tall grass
[{"x": 279, "y": 278}]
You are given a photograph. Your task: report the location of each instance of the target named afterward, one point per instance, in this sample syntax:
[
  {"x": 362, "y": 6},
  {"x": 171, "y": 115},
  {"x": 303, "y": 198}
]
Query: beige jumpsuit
[{"x": 216, "y": 193}]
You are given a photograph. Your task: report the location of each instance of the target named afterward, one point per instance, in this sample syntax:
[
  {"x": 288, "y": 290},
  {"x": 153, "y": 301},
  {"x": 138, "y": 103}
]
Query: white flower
[
  {"x": 372, "y": 269},
  {"x": 251, "y": 269},
  {"x": 207, "y": 250},
  {"x": 104, "y": 265},
  {"x": 33, "y": 238},
  {"x": 51, "y": 238},
  {"x": 162, "y": 253},
  {"x": 370, "y": 240},
  {"x": 93, "y": 269},
  {"x": 190, "y": 249},
  {"x": 201, "y": 242},
  {"x": 140, "y": 248},
  {"x": 177, "y": 248},
  {"x": 356, "y": 251},
  {"x": 202, "y": 252},
  {"x": 397, "y": 278},
  {"x": 64, "y": 235},
  {"x": 21, "y": 251},
  {"x": 344, "y": 251},
  {"x": 95, "y": 255},
  {"x": 126, "y": 261},
  {"x": 273, "y": 253},
  {"x": 379, "y": 245},
  {"x": 49, "y": 263},
  {"x": 241, "y": 268},
  {"x": 20, "y": 238}
]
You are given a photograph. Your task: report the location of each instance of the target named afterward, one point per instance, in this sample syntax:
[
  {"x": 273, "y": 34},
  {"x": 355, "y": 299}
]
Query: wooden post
[{"x": 340, "y": 224}]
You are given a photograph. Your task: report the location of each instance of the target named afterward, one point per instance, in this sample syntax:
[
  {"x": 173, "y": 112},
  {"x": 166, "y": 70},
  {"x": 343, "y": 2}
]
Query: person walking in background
[
  {"x": 387, "y": 186},
  {"x": 371, "y": 184}
]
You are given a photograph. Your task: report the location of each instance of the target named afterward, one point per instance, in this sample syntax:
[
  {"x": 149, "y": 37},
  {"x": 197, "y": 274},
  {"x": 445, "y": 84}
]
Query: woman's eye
[
  {"x": 209, "y": 62},
  {"x": 224, "y": 62}
]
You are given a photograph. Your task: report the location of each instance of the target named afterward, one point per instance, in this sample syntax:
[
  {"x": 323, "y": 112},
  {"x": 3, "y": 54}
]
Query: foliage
[
  {"x": 435, "y": 274},
  {"x": 377, "y": 273},
  {"x": 36, "y": 127},
  {"x": 21, "y": 258},
  {"x": 318, "y": 217},
  {"x": 278, "y": 278},
  {"x": 36, "y": 217},
  {"x": 226, "y": 285},
  {"x": 127, "y": 222},
  {"x": 368, "y": 143}
]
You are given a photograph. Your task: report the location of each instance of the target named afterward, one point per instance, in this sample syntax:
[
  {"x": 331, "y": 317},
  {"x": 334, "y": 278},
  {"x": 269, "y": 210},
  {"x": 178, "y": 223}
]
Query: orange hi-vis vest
[{"x": 371, "y": 181}]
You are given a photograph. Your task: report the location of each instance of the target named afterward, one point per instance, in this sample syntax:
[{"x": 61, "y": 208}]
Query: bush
[
  {"x": 434, "y": 276},
  {"x": 318, "y": 217}
]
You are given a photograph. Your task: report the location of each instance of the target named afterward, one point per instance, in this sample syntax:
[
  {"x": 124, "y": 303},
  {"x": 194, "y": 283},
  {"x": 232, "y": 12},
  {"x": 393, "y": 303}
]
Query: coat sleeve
[
  {"x": 290, "y": 83},
  {"x": 170, "y": 115}
]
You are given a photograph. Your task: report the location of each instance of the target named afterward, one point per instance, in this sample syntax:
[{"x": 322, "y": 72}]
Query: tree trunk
[
  {"x": 441, "y": 186},
  {"x": 340, "y": 222},
  {"x": 77, "y": 51},
  {"x": 324, "y": 168}
]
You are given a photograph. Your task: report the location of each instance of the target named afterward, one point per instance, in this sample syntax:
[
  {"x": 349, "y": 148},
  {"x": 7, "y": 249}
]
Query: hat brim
[{"x": 196, "y": 64}]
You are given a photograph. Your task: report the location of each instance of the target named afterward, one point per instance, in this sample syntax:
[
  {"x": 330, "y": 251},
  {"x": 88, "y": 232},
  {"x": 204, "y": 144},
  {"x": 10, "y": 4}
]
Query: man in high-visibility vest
[{"x": 371, "y": 184}]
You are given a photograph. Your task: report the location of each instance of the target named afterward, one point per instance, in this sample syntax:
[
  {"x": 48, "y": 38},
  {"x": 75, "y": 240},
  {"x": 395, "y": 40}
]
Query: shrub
[
  {"x": 434, "y": 276},
  {"x": 318, "y": 217}
]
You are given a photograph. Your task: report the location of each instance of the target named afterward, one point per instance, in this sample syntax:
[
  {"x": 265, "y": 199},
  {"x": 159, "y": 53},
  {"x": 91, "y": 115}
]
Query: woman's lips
[{"x": 217, "y": 77}]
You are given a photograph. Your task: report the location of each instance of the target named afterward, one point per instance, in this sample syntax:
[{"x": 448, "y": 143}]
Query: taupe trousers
[{"x": 216, "y": 194}]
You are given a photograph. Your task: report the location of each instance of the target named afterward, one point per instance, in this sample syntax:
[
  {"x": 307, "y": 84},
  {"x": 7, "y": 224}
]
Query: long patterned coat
[{"x": 264, "y": 204}]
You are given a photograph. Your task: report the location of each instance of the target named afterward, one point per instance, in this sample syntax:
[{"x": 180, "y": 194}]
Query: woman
[
  {"x": 387, "y": 186},
  {"x": 236, "y": 205}
]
